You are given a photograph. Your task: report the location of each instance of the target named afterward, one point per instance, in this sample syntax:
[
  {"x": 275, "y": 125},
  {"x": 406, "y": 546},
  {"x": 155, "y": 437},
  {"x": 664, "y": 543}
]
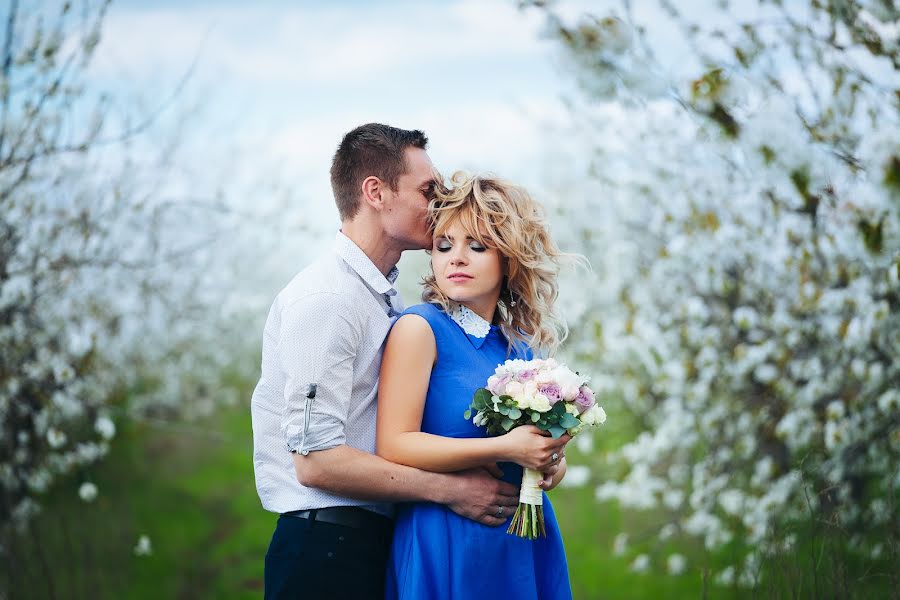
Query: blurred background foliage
[{"x": 741, "y": 321}]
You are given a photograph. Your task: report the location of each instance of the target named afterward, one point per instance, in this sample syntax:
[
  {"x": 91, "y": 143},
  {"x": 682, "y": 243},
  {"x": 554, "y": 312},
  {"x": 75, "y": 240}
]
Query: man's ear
[{"x": 373, "y": 192}]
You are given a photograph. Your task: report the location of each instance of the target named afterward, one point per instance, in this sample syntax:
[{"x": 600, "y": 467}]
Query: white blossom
[
  {"x": 725, "y": 577},
  {"x": 56, "y": 438},
  {"x": 87, "y": 491},
  {"x": 576, "y": 476},
  {"x": 640, "y": 564},
  {"x": 105, "y": 427},
  {"x": 676, "y": 564},
  {"x": 143, "y": 546}
]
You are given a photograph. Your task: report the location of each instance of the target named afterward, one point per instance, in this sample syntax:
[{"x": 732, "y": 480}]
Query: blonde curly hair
[{"x": 504, "y": 216}]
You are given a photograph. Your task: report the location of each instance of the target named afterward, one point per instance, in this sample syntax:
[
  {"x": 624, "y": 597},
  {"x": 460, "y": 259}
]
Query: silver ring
[
  {"x": 554, "y": 457},
  {"x": 499, "y": 510}
]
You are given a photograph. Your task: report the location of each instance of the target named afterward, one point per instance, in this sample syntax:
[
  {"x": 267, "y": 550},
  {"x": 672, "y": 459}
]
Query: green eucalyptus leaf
[
  {"x": 568, "y": 421},
  {"x": 482, "y": 399}
]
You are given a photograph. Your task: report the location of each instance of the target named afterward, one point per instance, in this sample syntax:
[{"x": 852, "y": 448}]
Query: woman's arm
[{"x": 406, "y": 366}]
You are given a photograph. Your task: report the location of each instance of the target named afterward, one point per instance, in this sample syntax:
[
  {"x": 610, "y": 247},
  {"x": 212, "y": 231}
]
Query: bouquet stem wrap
[{"x": 528, "y": 522}]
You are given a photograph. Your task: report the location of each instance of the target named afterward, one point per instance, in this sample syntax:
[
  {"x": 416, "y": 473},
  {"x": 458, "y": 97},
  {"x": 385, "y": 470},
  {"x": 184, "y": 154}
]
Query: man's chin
[{"x": 423, "y": 244}]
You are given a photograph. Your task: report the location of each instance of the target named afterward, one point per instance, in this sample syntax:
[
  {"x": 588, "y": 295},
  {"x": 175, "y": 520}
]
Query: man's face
[{"x": 405, "y": 215}]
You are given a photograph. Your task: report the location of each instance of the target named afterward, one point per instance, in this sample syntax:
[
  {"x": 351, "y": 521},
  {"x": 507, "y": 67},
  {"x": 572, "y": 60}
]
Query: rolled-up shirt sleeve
[{"x": 317, "y": 347}]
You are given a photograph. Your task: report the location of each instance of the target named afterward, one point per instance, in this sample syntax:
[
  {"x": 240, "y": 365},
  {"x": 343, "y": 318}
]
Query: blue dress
[{"x": 437, "y": 554}]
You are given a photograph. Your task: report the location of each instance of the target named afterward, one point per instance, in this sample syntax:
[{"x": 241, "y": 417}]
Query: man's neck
[{"x": 374, "y": 244}]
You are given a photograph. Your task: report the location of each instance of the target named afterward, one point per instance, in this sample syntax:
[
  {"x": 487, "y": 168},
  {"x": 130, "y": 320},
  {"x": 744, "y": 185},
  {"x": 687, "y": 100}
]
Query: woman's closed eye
[{"x": 444, "y": 245}]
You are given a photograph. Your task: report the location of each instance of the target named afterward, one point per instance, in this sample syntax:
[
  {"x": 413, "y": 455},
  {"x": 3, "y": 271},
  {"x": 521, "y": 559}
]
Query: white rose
[
  {"x": 524, "y": 395},
  {"x": 514, "y": 389},
  {"x": 569, "y": 381},
  {"x": 540, "y": 403},
  {"x": 594, "y": 416}
]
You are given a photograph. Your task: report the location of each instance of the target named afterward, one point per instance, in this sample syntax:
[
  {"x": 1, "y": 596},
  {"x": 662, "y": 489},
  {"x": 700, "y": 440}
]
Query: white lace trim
[{"x": 470, "y": 321}]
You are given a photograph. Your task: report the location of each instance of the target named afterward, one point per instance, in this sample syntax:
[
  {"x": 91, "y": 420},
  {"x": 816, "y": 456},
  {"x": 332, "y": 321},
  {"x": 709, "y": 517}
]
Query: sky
[
  {"x": 271, "y": 87},
  {"x": 282, "y": 82},
  {"x": 265, "y": 91}
]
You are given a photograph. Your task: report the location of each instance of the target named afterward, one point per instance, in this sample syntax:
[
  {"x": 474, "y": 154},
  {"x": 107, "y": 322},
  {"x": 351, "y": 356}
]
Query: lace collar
[{"x": 470, "y": 321}]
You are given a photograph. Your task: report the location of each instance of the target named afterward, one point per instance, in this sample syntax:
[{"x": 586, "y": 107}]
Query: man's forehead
[{"x": 418, "y": 165}]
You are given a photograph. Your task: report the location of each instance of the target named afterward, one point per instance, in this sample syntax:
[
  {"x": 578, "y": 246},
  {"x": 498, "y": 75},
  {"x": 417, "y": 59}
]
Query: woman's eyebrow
[{"x": 449, "y": 238}]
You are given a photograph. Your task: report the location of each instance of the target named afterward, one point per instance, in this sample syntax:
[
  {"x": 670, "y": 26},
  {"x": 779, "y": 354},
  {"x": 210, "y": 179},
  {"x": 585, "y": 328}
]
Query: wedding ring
[
  {"x": 554, "y": 457},
  {"x": 499, "y": 510}
]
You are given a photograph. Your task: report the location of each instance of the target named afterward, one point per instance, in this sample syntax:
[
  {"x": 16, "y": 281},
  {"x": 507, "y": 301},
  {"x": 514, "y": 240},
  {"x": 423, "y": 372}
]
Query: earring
[{"x": 512, "y": 301}]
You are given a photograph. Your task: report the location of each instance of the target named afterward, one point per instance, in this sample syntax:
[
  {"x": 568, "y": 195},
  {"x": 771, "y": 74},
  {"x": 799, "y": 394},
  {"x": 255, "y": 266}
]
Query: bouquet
[{"x": 534, "y": 392}]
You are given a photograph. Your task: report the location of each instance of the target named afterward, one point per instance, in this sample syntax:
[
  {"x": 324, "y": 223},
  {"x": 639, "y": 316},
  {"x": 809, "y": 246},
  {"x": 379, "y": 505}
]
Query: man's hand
[{"x": 479, "y": 495}]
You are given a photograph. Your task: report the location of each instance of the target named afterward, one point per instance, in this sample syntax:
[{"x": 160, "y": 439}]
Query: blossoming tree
[
  {"x": 104, "y": 275},
  {"x": 753, "y": 325}
]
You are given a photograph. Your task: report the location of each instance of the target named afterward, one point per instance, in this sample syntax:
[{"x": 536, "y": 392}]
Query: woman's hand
[
  {"x": 533, "y": 448},
  {"x": 553, "y": 475}
]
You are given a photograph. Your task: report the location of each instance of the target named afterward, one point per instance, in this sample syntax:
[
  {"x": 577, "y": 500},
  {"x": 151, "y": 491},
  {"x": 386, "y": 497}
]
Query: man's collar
[{"x": 364, "y": 267}]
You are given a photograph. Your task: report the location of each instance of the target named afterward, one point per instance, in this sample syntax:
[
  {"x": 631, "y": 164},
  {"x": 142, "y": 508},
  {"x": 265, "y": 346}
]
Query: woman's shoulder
[
  {"x": 433, "y": 314},
  {"x": 426, "y": 310}
]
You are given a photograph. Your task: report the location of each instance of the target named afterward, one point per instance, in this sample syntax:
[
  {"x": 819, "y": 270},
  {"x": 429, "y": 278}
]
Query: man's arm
[
  {"x": 318, "y": 343},
  {"x": 475, "y": 494}
]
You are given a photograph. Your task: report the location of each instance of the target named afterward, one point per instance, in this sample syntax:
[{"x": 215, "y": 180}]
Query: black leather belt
[{"x": 348, "y": 516}]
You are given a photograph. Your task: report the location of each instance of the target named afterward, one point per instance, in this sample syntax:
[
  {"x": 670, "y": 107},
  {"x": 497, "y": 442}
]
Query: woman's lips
[{"x": 459, "y": 277}]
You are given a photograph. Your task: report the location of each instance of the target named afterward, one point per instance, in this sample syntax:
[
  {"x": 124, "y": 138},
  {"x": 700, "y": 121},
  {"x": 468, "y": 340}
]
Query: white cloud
[{"x": 310, "y": 45}]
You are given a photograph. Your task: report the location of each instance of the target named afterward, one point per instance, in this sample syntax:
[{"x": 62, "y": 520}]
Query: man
[{"x": 313, "y": 409}]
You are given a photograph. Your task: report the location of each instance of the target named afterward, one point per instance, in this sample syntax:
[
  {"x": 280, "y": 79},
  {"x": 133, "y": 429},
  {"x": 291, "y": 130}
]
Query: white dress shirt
[{"x": 321, "y": 356}]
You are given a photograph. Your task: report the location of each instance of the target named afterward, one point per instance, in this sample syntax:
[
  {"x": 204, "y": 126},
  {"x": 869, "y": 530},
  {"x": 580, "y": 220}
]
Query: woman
[{"x": 490, "y": 297}]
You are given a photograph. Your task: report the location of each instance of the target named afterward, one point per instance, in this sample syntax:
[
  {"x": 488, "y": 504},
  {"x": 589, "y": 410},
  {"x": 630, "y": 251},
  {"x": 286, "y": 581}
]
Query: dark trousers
[{"x": 312, "y": 559}]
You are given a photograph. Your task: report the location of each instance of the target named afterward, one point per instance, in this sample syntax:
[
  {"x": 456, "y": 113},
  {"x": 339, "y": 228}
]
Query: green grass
[
  {"x": 589, "y": 529},
  {"x": 190, "y": 488}
]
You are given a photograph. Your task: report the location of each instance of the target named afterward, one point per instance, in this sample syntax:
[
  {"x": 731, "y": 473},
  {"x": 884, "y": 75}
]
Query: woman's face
[{"x": 466, "y": 271}]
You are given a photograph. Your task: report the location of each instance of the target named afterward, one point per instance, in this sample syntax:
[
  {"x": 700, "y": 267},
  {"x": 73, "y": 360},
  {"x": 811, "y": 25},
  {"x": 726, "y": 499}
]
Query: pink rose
[
  {"x": 497, "y": 384},
  {"x": 552, "y": 391},
  {"x": 585, "y": 399},
  {"x": 526, "y": 375}
]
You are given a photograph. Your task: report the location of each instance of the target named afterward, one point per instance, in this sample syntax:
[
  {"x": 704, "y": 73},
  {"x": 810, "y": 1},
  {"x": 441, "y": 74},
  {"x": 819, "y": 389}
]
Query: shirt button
[
  {"x": 341, "y": 539},
  {"x": 330, "y": 554}
]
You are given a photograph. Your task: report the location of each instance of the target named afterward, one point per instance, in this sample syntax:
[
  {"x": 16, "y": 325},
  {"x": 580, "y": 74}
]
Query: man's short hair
[{"x": 371, "y": 149}]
